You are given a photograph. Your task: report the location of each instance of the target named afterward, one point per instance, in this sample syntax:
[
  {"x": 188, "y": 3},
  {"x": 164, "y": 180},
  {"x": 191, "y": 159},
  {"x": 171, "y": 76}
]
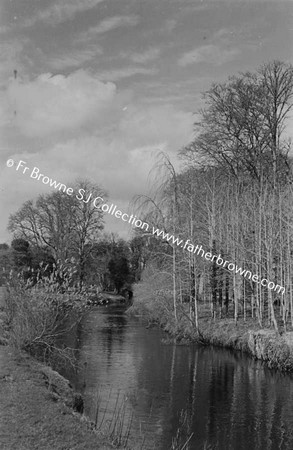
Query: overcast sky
[{"x": 104, "y": 85}]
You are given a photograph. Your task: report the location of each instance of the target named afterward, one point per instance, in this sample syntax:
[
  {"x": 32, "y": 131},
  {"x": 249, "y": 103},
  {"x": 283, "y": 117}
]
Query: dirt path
[{"x": 30, "y": 418}]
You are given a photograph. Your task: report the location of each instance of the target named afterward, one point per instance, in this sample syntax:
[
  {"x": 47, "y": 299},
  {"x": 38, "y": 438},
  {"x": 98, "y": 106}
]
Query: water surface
[{"x": 225, "y": 400}]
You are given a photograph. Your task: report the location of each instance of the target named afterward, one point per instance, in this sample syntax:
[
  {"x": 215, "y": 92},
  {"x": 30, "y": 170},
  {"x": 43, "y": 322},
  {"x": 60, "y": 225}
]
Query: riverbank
[
  {"x": 38, "y": 408},
  {"x": 260, "y": 343}
]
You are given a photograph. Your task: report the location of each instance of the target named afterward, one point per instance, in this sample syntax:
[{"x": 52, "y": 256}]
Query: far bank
[{"x": 265, "y": 344}]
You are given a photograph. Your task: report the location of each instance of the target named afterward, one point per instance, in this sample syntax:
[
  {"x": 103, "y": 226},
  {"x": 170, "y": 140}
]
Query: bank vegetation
[{"x": 232, "y": 196}]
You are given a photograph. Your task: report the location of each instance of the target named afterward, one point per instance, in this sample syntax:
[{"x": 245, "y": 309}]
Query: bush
[{"x": 38, "y": 315}]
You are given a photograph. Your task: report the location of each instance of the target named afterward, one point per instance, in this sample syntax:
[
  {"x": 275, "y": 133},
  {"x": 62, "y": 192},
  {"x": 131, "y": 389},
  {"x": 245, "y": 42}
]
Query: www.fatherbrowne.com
[
  {"x": 132, "y": 220},
  {"x": 198, "y": 250}
]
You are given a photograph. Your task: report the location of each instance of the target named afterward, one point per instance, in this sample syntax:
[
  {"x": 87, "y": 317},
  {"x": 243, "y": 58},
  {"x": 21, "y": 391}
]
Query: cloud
[
  {"x": 150, "y": 125},
  {"x": 52, "y": 104},
  {"x": 4, "y": 29},
  {"x": 72, "y": 59},
  {"x": 212, "y": 54},
  {"x": 225, "y": 34},
  {"x": 80, "y": 127},
  {"x": 11, "y": 52},
  {"x": 111, "y": 23},
  {"x": 60, "y": 12},
  {"x": 145, "y": 57},
  {"x": 119, "y": 160},
  {"x": 170, "y": 25},
  {"x": 126, "y": 72}
]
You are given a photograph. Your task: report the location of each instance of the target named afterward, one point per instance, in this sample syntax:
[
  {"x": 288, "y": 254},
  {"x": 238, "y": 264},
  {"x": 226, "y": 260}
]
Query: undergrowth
[{"x": 37, "y": 312}]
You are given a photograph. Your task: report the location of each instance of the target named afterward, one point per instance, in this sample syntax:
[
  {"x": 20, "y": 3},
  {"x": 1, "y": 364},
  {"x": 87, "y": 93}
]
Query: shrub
[{"x": 40, "y": 310}]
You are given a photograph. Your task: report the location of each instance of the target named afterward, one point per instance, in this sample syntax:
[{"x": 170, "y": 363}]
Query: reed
[
  {"x": 114, "y": 422},
  {"x": 180, "y": 441}
]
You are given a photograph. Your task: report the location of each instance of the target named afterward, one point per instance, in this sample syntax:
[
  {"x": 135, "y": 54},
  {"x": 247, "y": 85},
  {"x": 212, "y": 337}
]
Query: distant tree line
[{"x": 57, "y": 229}]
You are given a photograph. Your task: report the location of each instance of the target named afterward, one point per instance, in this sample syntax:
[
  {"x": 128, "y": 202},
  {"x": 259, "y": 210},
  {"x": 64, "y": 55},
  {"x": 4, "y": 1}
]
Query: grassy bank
[
  {"x": 38, "y": 409},
  {"x": 276, "y": 350}
]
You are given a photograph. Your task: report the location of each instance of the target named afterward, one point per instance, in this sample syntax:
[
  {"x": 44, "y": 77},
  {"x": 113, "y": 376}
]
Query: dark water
[{"x": 228, "y": 400}]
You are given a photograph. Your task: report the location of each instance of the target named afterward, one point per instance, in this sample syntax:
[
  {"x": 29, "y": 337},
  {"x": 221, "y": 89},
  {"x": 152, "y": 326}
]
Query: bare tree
[
  {"x": 66, "y": 224},
  {"x": 242, "y": 123}
]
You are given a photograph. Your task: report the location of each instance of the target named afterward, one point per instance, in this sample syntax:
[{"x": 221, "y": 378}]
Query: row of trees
[
  {"x": 233, "y": 197},
  {"x": 62, "y": 230}
]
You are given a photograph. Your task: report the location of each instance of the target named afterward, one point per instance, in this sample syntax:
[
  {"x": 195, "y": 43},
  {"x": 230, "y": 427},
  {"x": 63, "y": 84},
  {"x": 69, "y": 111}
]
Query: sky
[{"x": 97, "y": 88}]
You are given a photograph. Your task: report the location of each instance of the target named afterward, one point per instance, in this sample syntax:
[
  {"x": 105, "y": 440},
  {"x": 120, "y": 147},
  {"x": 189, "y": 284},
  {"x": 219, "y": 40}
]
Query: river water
[{"x": 216, "y": 398}]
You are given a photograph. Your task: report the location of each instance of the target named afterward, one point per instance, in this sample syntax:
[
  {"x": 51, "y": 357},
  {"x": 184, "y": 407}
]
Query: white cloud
[
  {"x": 60, "y": 12},
  {"x": 170, "y": 25},
  {"x": 50, "y": 104},
  {"x": 145, "y": 57},
  {"x": 210, "y": 53},
  {"x": 72, "y": 59},
  {"x": 87, "y": 130},
  {"x": 225, "y": 34},
  {"x": 111, "y": 23},
  {"x": 151, "y": 125},
  {"x": 126, "y": 72},
  {"x": 120, "y": 160}
]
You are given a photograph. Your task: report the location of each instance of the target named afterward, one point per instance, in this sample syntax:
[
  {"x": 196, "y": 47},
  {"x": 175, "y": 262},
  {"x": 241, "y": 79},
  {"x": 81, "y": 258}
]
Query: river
[{"x": 216, "y": 398}]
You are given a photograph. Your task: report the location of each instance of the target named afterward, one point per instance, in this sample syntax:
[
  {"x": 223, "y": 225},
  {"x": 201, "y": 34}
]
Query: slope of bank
[
  {"x": 276, "y": 350},
  {"x": 32, "y": 414},
  {"x": 38, "y": 408}
]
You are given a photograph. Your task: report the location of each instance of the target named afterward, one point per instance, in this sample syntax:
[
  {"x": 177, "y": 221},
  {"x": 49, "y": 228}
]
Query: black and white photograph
[{"x": 146, "y": 226}]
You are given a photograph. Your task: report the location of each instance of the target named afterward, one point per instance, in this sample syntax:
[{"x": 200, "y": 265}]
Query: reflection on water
[{"x": 231, "y": 401}]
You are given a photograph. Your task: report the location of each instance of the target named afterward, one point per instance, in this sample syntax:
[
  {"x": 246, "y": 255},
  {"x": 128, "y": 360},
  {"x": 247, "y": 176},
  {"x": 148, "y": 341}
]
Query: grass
[
  {"x": 31, "y": 416},
  {"x": 245, "y": 335}
]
